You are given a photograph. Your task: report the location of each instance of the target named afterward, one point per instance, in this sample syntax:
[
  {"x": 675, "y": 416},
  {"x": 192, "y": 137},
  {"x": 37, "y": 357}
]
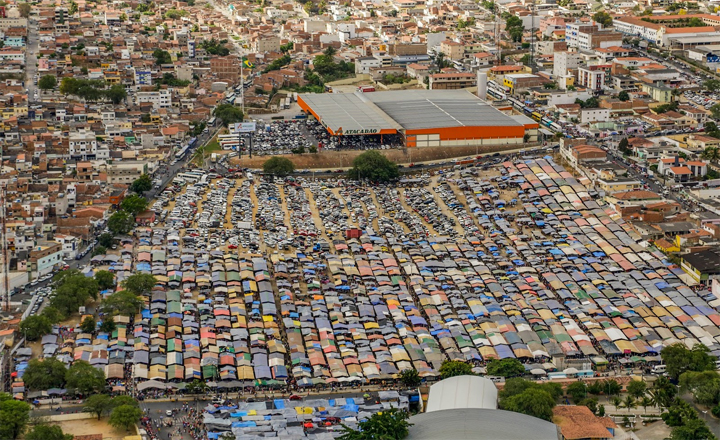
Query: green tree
[
  {"x": 139, "y": 284},
  {"x": 603, "y": 18},
  {"x": 373, "y": 166},
  {"x": 517, "y": 385},
  {"x": 99, "y": 250},
  {"x": 455, "y": 368},
  {"x": 52, "y": 314},
  {"x": 121, "y": 303},
  {"x": 14, "y": 415},
  {"x": 134, "y": 204},
  {"x": 162, "y": 57},
  {"x": 125, "y": 417},
  {"x": 715, "y": 111},
  {"x": 696, "y": 22},
  {"x": 47, "y": 82},
  {"x": 141, "y": 184},
  {"x": 106, "y": 240},
  {"x": 505, "y": 367},
  {"x": 629, "y": 402},
  {"x": 35, "y": 327},
  {"x": 636, "y": 388},
  {"x": 624, "y": 146},
  {"x": 88, "y": 325},
  {"x": 121, "y": 223},
  {"x": 692, "y": 430},
  {"x": 704, "y": 386},
  {"x": 108, "y": 325},
  {"x": 611, "y": 387},
  {"x": 386, "y": 425},
  {"x": 591, "y": 403},
  {"x": 228, "y": 114},
  {"x": 679, "y": 413},
  {"x": 533, "y": 402},
  {"x": 124, "y": 400},
  {"x": 624, "y": 96},
  {"x": 646, "y": 401},
  {"x": 711, "y": 153},
  {"x": 679, "y": 359},
  {"x": 663, "y": 392},
  {"x": 105, "y": 279},
  {"x": 47, "y": 432},
  {"x": 116, "y": 94},
  {"x": 98, "y": 404},
  {"x": 712, "y": 85},
  {"x": 410, "y": 378},
  {"x": 24, "y": 9},
  {"x": 577, "y": 391},
  {"x": 441, "y": 62},
  {"x": 595, "y": 388},
  {"x": 278, "y": 166},
  {"x": 196, "y": 387},
  {"x": 145, "y": 119},
  {"x": 42, "y": 375},
  {"x": 73, "y": 289},
  {"x": 515, "y": 28},
  {"x": 85, "y": 379}
]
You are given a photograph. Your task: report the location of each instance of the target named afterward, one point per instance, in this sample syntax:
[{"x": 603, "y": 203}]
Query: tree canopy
[
  {"x": 125, "y": 416},
  {"x": 533, "y": 401},
  {"x": 278, "y": 166},
  {"x": 679, "y": 359},
  {"x": 47, "y": 82},
  {"x": 704, "y": 386},
  {"x": 505, "y": 367},
  {"x": 603, "y": 18},
  {"x": 47, "y": 432},
  {"x": 636, "y": 388},
  {"x": 105, "y": 279},
  {"x": 384, "y": 425},
  {"x": 121, "y": 223},
  {"x": 228, "y": 114},
  {"x": 624, "y": 96},
  {"x": 85, "y": 379},
  {"x": 124, "y": 302},
  {"x": 98, "y": 404},
  {"x": 72, "y": 291},
  {"x": 141, "y": 184},
  {"x": 455, "y": 368},
  {"x": 35, "y": 327},
  {"x": 162, "y": 57},
  {"x": 373, "y": 166},
  {"x": 134, "y": 204},
  {"x": 14, "y": 417},
  {"x": 410, "y": 378},
  {"x": 515, "y": 28},
  {"x": 106, "y": 239},
  {"x": 88, "y": 325},
  {"x": 42, "y": 375},
  {"x": 139, "y": 283}
]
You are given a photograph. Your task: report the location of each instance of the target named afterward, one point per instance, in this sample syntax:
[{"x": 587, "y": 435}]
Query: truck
[{"x": 366, "y": 89}]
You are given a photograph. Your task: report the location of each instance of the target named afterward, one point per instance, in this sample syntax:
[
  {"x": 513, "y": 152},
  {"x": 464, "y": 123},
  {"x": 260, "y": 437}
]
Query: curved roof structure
[
  {"x": 480, "y": 424},
  {"x": 462, "y": 392}
]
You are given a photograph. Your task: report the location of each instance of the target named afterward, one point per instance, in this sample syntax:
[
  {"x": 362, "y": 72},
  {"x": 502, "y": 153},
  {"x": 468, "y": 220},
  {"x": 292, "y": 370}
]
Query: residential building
[{"x": 457, "y": 80}]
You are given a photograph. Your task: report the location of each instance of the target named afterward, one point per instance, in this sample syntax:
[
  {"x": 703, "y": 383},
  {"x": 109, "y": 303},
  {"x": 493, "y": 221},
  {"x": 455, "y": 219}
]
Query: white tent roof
[{"x": 462, "y": 392}]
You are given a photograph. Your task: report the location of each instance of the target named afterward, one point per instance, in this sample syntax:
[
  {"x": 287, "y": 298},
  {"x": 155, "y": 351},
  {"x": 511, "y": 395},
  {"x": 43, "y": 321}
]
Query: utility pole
[{"x": 532, "y": 34}]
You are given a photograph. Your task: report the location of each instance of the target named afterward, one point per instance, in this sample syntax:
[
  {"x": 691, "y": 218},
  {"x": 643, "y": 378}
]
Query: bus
[
  {"x": 189, "y": 177},
  {"x": 182, "y": 152},
  {"x": 537, "y": 116},
  {"x": 211, "y": 121}
]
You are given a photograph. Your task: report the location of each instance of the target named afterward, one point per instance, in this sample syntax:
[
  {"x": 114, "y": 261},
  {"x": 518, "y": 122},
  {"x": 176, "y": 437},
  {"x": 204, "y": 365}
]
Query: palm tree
[
  {"x": 711, "y": 153},
  {"x": 629, "y": 402},
  {"x": 645, "y": 402},
  {"x": 616, "y": 401}
]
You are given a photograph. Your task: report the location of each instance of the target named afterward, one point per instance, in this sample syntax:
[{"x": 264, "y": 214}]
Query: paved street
[{"x": 31, "y": 59}]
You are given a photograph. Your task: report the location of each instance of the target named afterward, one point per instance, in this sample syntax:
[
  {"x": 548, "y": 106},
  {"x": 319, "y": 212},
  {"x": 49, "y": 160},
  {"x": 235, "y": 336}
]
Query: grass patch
[{"x": 205, "y": 150}]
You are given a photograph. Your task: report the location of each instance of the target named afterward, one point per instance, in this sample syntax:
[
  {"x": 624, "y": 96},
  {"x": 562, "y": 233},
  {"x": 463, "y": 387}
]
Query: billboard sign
[{"x": 244, "y": 127}]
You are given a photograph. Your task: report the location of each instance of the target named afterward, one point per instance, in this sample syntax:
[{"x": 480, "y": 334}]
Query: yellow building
[{"x": 658, "y": 93}]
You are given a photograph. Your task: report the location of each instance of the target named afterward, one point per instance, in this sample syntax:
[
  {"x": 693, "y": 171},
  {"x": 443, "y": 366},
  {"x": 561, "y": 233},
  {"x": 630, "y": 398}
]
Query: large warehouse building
[{"x": 424, "y": 118}]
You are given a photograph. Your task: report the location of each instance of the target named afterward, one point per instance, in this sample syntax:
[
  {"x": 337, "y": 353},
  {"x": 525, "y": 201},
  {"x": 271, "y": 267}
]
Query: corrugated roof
[
  {"x": 347, "y": 111},
  {"x": 480, "y": 424},
  {"x": 418, "y": 109},
  {"x": 462, "y": 392}
]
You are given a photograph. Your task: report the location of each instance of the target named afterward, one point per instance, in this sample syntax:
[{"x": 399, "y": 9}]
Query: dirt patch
[
  {"x": 343, "y": 159},
  {"x": 92, "y": 426}
]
